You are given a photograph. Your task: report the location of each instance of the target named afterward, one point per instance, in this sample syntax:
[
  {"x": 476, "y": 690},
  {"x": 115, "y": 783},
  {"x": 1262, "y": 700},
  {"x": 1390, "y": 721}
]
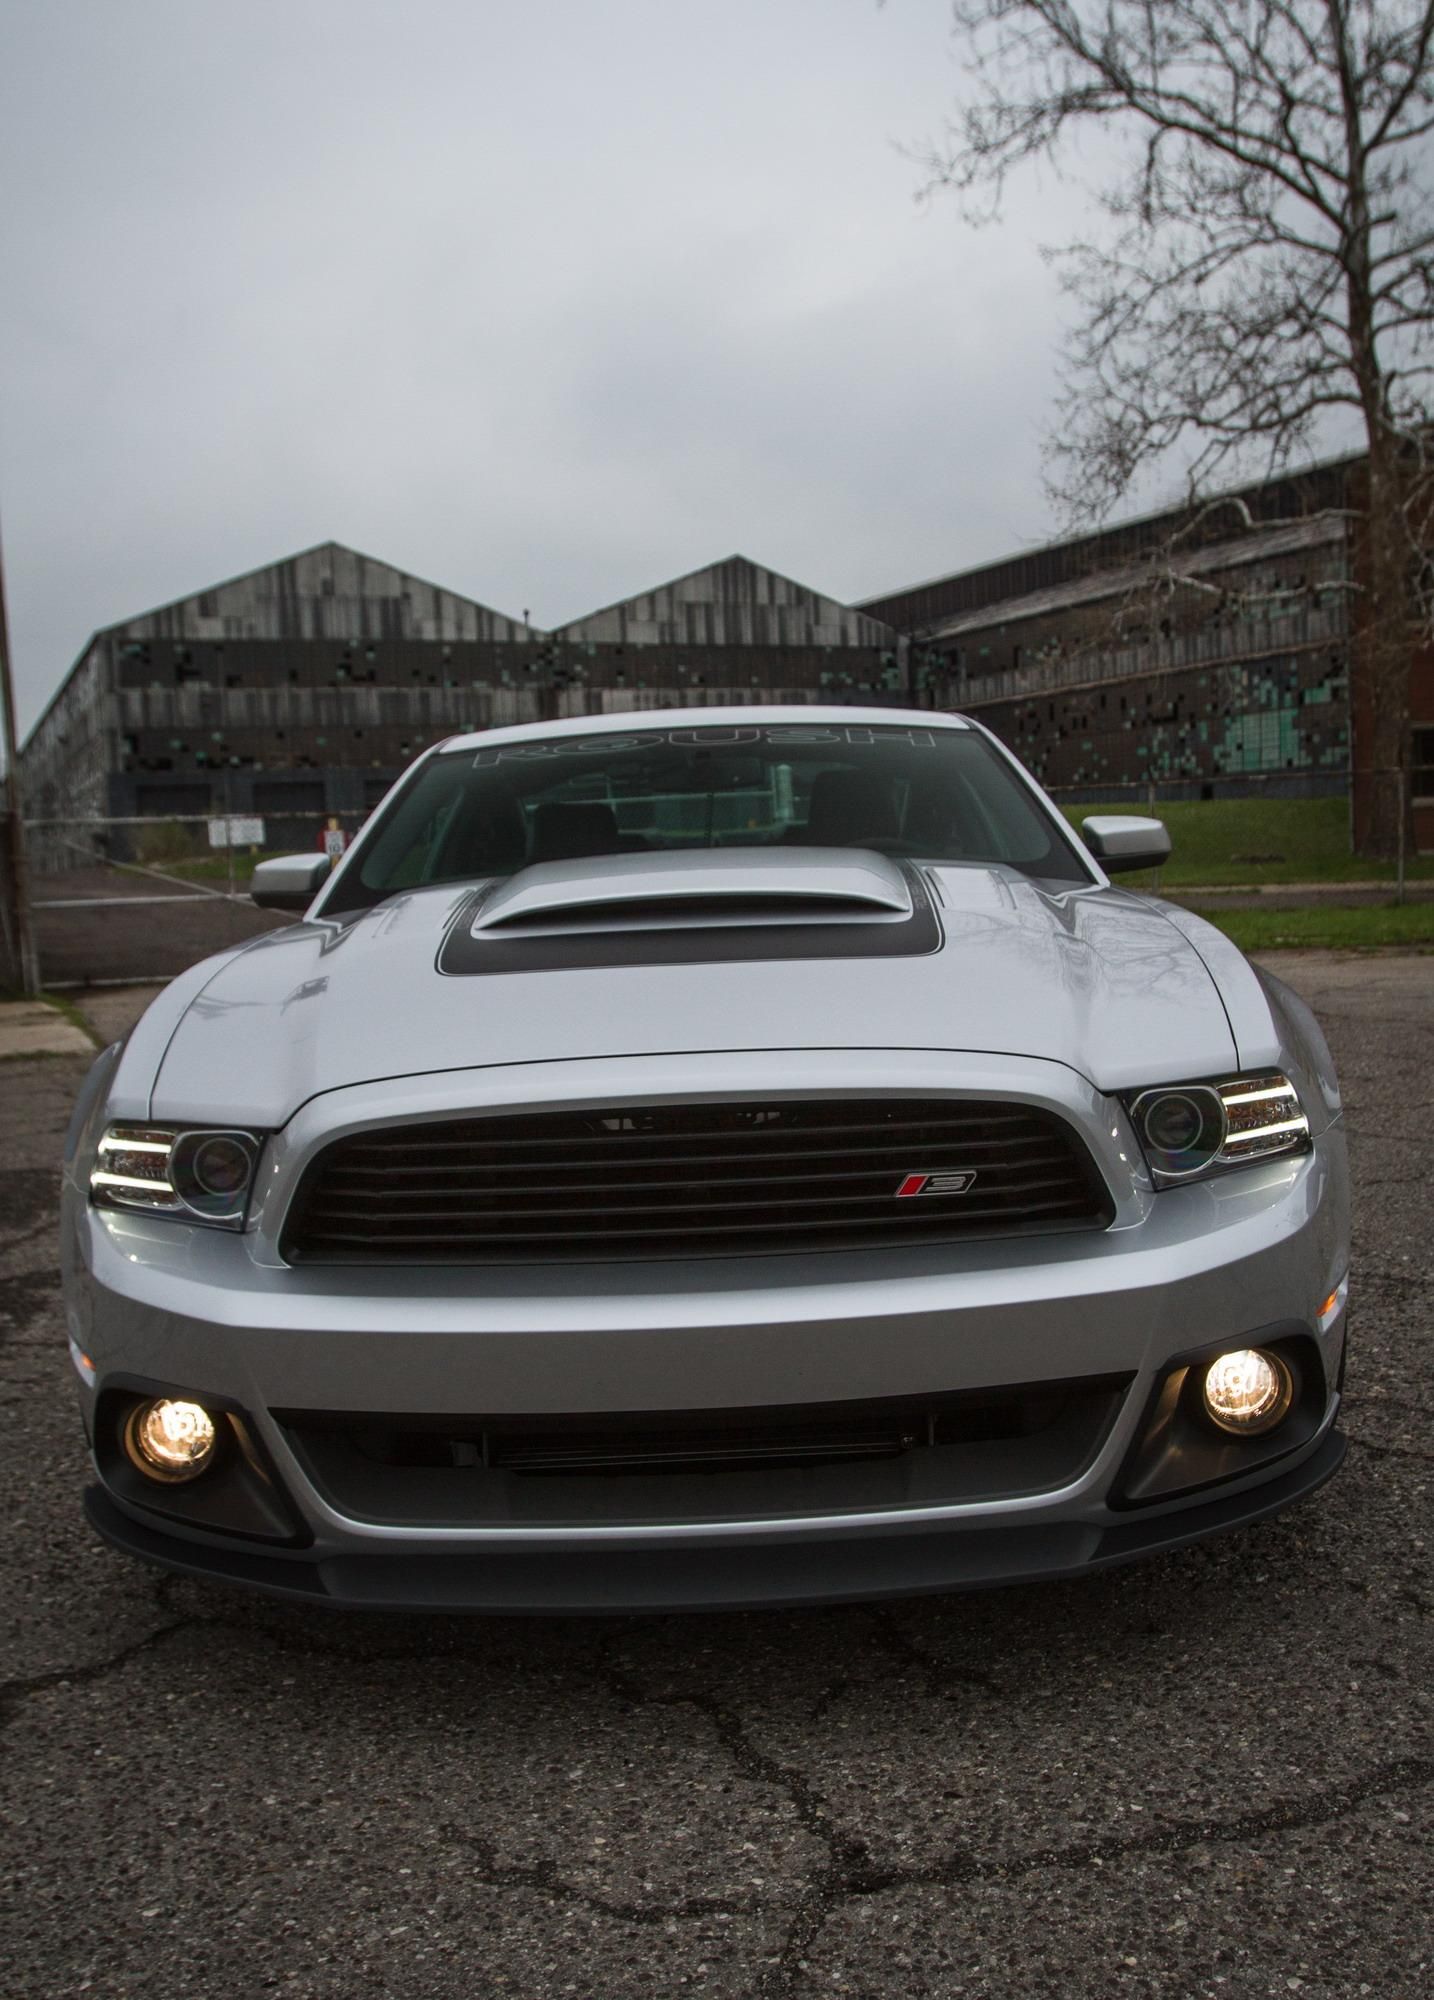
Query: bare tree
[{"x": 1268, "y": 263}]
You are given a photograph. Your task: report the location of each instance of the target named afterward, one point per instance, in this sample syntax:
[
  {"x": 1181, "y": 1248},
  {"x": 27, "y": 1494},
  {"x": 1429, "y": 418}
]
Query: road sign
[{"x": 236, "y": 832}]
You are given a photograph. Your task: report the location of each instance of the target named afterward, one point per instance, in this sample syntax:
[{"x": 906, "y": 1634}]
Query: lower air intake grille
[{"x": 693, "y": 1179}]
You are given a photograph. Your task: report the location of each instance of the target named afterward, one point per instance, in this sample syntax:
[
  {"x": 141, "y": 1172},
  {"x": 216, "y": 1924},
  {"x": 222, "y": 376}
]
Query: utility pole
[
  {"x": 229, "y": 827},
  {"x": 18, "y": 888}
]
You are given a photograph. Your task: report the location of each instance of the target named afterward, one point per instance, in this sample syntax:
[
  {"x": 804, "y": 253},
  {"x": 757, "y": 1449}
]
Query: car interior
[{"x": 489, "y": 821}]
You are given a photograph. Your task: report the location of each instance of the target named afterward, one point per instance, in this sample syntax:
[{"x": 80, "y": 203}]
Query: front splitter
[{"x": 705, "y": 1577}]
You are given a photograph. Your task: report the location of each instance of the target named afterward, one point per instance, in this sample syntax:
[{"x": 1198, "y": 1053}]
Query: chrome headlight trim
[
  {"x": 1232, "y": 1123},
  {"x": 194, "y": 1173}
]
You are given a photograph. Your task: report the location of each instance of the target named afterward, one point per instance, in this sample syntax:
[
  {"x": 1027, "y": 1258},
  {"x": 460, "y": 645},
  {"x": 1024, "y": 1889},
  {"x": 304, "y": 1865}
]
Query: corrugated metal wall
[
  {"x": 326, "y": 593},
  {"x": 731, "y": 603}
]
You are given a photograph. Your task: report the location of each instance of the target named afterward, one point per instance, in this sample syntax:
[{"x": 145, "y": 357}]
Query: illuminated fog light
[
  {"x": 169, "y": 1439},
  {"x": 1248, "y": 1391}
]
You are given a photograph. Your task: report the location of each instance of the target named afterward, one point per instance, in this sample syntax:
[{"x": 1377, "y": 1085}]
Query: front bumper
[
  {"x": 169, "y": 1308},
  {"x": 714, "y": 1576}
]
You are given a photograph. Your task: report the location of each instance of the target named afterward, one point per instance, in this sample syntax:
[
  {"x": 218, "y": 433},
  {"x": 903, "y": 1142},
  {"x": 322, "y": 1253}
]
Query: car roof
[{"x": 625, "y": 721}]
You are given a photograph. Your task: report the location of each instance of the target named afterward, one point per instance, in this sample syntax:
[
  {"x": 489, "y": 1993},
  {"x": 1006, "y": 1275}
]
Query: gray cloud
[{"x": 547, "y": 303}]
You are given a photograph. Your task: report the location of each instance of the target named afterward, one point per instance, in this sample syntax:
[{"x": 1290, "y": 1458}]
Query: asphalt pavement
[
  {"x": 103, "y": 925},
  {"x": 1208, "y": 1775}
]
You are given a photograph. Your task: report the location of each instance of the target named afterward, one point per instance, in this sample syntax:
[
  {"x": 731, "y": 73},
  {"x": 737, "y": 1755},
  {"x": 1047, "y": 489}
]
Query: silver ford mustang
[{"x": 681, "y": 1161}]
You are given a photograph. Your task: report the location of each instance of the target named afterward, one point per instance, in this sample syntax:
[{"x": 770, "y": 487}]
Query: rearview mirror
[
  {"x": 289, "y": 881},
  {"x": 1121, "y": 841}
]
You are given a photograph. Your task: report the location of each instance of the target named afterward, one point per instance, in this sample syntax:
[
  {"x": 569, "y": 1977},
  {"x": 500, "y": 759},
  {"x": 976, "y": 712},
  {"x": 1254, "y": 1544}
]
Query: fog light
[
  {"x": 169, "y": 1439},
  {"x": 1248, "y": 1391}
]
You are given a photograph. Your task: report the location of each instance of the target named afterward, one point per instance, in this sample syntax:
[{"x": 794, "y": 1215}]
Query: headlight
[
  {"x": 199, "y": 1176},
  {"x": 1187, "y": 1129}
]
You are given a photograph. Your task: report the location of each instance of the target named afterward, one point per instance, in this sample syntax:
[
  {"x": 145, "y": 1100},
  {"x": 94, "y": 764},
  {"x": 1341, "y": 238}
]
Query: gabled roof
[
  {"x": 734, "y": 602},
  {"x": 326, "y": 592},
  {"x": 286, "y": 600}
]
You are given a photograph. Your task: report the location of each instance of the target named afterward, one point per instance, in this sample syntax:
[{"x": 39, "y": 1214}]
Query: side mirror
[
  {"x": 290, "y": 881},
  {"x": 1120, "y": 841}
]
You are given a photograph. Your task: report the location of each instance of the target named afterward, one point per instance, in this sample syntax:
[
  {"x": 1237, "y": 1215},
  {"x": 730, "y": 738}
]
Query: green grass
[
  {"x": 215, "y": 867},
  {"x": 72, "y": 1014},
  {"x": 1232, "y": 841},
  {"x": 60, "y": 1005},
  {"x": 1216, "y": 842},
  {"x": 1338, "y": 928}
]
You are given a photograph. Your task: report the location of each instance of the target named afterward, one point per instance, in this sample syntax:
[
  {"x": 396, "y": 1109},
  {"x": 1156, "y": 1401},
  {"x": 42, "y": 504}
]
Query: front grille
[
  {"x": 693, "y": 1179},
  {"x": 744, "y": 1440},
  {"x": 717, "y": 1464}
]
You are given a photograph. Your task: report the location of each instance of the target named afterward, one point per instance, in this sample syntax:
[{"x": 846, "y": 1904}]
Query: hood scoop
[
  {"x": 714, "y": 906},
  {"x": 710, "y": 888}
]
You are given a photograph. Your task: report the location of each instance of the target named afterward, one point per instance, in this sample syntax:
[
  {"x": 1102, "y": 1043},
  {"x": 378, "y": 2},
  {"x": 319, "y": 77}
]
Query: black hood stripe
[{"x": 461, "y": 954}]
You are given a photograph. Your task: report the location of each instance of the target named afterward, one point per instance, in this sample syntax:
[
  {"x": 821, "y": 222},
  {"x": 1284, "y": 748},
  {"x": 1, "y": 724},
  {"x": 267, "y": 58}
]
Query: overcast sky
[{"x": 547, "y": 302}]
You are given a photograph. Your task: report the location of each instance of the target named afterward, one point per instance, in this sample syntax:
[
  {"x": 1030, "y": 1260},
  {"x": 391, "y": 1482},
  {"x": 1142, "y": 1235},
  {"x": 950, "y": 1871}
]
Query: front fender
[{"x": 1308, "y": 1062}]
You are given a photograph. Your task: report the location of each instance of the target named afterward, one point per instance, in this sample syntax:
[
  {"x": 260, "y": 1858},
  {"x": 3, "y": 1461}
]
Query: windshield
[{"x": 935, "y": 794}]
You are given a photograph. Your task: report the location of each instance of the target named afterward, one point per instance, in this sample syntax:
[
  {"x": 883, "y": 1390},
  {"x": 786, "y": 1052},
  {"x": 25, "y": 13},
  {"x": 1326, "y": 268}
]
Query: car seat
[
  {"x": 564, "y": 832},
  {"x": 488, "y": 836},
  {"x": 847, "y": 808}
]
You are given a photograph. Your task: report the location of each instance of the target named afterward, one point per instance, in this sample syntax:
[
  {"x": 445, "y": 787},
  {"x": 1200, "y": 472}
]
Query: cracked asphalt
[{"x": 1208, "y": 1775}]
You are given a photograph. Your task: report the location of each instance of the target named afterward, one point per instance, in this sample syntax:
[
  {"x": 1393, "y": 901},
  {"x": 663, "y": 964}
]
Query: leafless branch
[{"x": 1267, "y": 256}]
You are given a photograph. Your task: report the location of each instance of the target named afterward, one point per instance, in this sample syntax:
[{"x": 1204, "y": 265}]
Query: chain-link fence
[
  {"x": 125, "y": 901},
  {"x": 140, "y": 899},
  {"x": 1131, "y": 792}
]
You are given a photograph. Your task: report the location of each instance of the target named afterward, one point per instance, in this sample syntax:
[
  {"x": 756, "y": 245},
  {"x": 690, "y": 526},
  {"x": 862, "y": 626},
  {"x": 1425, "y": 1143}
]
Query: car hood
[{"x": 1093, "y": 978}]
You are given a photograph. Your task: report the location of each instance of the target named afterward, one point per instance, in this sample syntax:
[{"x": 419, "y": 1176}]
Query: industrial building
[
  {"x": 1162, "y": 651},
  {"x": 296, "y": 690},
  {"x": 299, "y": 691},
  {"x": 1188, "y": 654}
]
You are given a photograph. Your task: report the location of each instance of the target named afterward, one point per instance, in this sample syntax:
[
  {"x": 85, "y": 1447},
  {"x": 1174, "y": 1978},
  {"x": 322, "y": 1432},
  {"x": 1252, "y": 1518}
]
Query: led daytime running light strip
[
  {"x": 1300, "y": 1124},
  {"x": 1262, "y": 1116},
  {"x": 131, "y": 1158},
  {"x": 101, "y": 1178}
]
